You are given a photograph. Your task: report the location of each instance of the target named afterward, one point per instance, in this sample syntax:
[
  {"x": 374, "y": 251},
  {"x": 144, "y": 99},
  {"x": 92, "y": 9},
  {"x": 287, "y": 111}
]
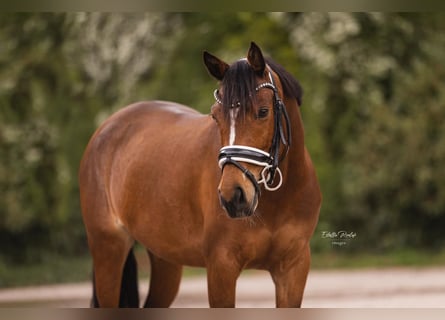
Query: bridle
[{"x": 235, "y": 154}]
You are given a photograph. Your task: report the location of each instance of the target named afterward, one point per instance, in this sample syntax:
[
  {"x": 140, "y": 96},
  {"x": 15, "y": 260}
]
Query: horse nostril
[
  {"x": 237, "y": 205},
  {"x": 239, "y": 196}
]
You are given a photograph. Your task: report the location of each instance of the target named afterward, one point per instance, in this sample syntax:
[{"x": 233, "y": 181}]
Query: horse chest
[{"x": 263, "y": 248}]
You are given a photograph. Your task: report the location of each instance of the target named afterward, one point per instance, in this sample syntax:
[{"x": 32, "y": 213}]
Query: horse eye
[{"x": 263, "y": 113}]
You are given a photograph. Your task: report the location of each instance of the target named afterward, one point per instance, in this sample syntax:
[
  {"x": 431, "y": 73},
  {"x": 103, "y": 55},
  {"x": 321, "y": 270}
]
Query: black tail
[
  {"x": 129, "y": 296},
  {"x": 94, "y": 301}
]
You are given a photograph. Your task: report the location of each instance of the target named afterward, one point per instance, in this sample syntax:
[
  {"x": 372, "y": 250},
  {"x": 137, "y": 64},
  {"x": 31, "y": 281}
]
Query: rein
[{"x": 268, "y": 160}]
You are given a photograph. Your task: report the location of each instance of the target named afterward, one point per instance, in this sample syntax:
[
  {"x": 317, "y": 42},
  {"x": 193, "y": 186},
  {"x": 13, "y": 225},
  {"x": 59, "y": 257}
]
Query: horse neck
[
  {"x": 294, "y": 167},
  {"x": 294, "y": 170}
]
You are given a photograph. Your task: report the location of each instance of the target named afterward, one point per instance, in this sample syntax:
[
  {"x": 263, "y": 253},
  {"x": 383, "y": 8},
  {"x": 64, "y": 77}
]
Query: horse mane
[
  {"x": 239, "y": 85},
  {"x": 291, "y": 87}
]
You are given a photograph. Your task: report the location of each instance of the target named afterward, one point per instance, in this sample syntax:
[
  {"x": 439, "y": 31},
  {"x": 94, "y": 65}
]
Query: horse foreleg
[
  {"x": 222, "y": 275},
  {"x": 165, "y": 278},
  {"x": 290, "y": 281}
]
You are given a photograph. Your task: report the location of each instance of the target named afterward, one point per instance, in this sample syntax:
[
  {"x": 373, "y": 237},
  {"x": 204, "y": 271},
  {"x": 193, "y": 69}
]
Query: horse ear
[
  {"x": 215, "y": 66},
  {"x": 256, "y": 59}
]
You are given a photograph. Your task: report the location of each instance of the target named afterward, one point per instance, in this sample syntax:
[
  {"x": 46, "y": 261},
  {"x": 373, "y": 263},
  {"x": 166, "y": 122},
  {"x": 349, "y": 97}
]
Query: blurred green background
[{"x": 373, "y": 110}]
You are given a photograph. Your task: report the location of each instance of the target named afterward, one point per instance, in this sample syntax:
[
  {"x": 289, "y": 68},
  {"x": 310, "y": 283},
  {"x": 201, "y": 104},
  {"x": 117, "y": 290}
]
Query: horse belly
[{"x": 170, "y": 232}]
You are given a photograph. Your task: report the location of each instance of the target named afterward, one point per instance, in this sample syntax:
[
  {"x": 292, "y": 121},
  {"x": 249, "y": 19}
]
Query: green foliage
[
  {"x": 181, "y": 76},
  {"x": 394, "y": 177},
  {"x": 341, "y": 259},
  {"x": 33, "y": 176},
  {"x": 373, "y": 107},
  {"x": 51, "y": 268},
  {"x": 382, "y": 100},
  {"x": 57, "y": 82}
]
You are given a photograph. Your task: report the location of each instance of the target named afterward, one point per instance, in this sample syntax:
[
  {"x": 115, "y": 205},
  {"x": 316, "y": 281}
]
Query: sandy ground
[{"x": 382, "y": 288}]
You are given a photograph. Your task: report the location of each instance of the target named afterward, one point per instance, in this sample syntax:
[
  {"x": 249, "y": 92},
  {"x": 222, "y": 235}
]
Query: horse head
[{"x": 254, "y": 128}]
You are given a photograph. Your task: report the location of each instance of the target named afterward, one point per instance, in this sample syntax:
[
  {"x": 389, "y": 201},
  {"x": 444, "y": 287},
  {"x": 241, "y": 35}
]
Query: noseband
[{"x": 268, "y": 160}]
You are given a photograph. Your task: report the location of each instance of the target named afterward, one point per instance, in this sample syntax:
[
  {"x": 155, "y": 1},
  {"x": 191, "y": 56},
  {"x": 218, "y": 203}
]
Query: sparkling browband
[{"x": 263, "y": 85}]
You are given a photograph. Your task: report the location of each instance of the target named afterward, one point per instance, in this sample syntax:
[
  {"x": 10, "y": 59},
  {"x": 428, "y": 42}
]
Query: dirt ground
[{"x": 381, "y": 288}]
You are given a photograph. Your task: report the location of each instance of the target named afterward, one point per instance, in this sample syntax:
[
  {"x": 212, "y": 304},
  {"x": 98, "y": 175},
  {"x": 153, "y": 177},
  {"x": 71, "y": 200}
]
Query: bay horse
[{"x": 227, "y": 191}]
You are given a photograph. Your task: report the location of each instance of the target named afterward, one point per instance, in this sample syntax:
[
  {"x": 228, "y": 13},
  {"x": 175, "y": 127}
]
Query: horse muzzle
[
  {"x": 238, "y": 205},
  {"x": 240, "y": 197}
]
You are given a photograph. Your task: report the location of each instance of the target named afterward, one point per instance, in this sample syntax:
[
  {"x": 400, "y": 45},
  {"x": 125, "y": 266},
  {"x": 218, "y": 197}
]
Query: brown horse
[{"x": 150, "y": 174}]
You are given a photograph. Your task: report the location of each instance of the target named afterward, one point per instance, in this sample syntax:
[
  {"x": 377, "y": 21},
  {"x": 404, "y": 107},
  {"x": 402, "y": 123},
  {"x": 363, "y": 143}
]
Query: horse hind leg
[
  {"x": 165, "y": 278},
  {"x": 114, "y": 272},
  {"x": 129, "y": 293}
]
